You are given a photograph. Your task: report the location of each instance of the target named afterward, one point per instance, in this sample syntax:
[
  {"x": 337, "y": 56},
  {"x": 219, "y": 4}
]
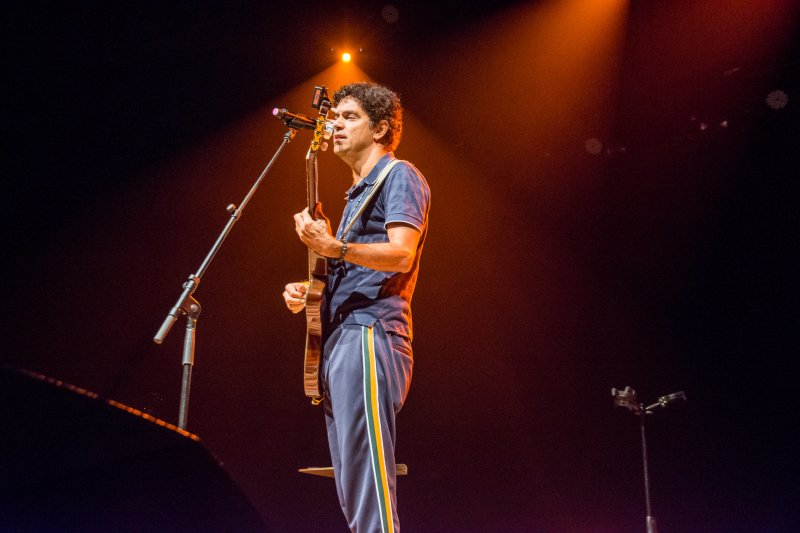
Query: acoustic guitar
[{"x": 317, "y": 264}]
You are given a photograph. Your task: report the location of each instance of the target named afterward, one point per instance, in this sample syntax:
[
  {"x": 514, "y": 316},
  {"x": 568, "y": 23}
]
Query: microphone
[
  {"x": 669, "y": 398},
  {"x": 295, "y": 121}
]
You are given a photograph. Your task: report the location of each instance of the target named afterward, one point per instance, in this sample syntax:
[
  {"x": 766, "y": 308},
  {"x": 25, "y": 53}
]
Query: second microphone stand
[{"x": 627, "y": 398}]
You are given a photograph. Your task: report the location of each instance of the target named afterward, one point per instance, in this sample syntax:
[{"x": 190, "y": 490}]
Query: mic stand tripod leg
[{"x": 192, "y": 314}]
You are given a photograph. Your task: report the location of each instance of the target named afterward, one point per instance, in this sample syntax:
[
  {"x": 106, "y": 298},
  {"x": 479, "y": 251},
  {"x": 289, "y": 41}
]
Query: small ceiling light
[
  {"x": 777, "y": 99},
  {"x": 593, "y": 146},
  {"x": 390, "y": 14}
]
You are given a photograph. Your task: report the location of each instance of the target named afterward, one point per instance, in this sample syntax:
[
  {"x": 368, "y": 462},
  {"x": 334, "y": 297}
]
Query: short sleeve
[{"x": 406, "y": 196}]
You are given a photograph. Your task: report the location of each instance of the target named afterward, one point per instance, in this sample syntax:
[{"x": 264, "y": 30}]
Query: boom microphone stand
[
  {"x": 188, "y": 306},
  {"x": 627, "y": 398}
]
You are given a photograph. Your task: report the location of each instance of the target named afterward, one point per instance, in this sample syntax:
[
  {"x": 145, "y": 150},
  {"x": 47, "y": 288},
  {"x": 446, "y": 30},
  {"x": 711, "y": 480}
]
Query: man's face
[{"x": 352, "y": 132}]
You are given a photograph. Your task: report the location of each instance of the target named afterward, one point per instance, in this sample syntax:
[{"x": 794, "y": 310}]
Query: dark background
[{"x": 667, "y": 261}]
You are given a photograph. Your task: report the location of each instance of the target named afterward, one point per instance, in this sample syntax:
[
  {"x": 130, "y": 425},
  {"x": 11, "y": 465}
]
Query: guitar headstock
[{"x": 324, "y": 128}]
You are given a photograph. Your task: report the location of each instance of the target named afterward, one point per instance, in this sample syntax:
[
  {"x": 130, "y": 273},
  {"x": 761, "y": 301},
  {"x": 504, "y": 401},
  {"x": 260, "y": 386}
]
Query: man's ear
[{"x": 380, "y": 130}]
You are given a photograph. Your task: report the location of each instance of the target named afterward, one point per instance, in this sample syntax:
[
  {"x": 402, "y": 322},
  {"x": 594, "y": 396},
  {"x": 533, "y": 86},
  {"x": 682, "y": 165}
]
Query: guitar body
[{"x": 313, "y": 356}]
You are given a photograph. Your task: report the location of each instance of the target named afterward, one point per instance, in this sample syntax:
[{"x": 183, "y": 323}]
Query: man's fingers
[
  {"x": 295, "y": 305},
  {"x": 295, "y": 290},
  {"x": 299, "y": 288},
  {"x": 294, "y": 295}
]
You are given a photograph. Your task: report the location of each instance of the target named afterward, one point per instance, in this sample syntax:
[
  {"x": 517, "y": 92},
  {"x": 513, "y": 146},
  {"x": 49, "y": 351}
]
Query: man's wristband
[{"x": 344, "y": 250}]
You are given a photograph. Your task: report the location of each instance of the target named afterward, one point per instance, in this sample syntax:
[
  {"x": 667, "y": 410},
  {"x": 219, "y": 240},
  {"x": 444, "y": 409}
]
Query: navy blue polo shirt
[{"x": 358, "y": 295}]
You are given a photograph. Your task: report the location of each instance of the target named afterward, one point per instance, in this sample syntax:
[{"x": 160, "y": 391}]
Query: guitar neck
[{"x": 317, "y": 264}]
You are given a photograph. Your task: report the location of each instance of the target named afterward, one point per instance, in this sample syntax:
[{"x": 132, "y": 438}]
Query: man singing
[{"x": 373, "y": 264}]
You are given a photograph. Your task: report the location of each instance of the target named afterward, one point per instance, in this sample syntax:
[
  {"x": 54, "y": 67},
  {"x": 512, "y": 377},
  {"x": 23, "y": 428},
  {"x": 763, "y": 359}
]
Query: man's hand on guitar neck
[
  {"x": 295, "y": 296},
  {"x": 316, "y": 234}
]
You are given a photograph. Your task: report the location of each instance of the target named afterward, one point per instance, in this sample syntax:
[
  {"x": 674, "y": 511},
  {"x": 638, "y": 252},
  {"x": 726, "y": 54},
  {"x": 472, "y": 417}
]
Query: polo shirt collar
[{"x": 373, "y": 174}]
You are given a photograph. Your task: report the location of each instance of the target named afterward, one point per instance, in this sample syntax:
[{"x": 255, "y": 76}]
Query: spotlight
[
  {"x": 777, "y": 99},
  {"x": 614, "y": 150},
  {"x": 346, "y": 57}
]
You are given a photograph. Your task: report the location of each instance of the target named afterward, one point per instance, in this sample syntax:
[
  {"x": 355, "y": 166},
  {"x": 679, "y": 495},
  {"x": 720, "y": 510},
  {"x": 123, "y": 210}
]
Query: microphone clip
[
  {"x": 321, "y": 126},
  {"x": 627, "y": 398}
]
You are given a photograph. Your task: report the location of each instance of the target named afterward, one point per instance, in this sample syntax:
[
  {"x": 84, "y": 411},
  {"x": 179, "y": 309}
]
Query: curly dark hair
[{"x": 380, "y": 103}]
